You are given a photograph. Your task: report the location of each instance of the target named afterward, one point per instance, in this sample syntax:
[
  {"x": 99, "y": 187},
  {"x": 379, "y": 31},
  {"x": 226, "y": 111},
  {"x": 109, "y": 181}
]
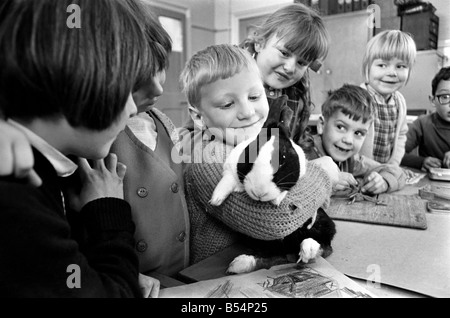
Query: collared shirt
[
  {"x": 385, "y": 125},
  {"x": 64, "y": 166},
  {"x": 144, "y": 128}
]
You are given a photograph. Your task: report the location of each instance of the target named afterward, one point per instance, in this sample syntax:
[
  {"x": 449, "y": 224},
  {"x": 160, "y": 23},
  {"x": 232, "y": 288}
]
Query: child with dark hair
[
  {"x": 69, "y": 92},
  {"x": 431, "y": 133},
  {"x": 347, "y": 115},
  {"x": 145, "y": 146}
]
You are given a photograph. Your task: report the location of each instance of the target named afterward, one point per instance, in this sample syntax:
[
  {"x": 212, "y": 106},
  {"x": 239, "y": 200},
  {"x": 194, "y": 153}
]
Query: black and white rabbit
[
  {"x": 267, "y": 167},
  {"x": 303, "y": 245}
]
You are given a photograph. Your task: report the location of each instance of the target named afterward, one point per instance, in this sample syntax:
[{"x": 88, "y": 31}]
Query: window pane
[{"x": 175, "y": 29}]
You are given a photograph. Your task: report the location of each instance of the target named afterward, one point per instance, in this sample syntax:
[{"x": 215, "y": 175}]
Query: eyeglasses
[{"x": 443, "y": 99}]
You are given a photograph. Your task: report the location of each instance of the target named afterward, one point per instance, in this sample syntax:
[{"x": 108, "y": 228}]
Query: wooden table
[
  {"x": 410, "y": 262},
  {"x": 415, "y": 260}
]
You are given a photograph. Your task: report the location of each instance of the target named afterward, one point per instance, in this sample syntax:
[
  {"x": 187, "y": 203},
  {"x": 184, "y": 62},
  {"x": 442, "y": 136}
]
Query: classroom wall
[
  {"x": 211, "y": 21},
  {"x": 443, "y": 12}
]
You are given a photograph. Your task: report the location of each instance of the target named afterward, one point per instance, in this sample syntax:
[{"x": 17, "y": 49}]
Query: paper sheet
[{"x": 315, "y": 280}]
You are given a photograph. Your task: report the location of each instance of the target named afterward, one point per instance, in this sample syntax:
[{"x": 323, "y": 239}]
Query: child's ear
[
  {"x": 196, "y": 117},
  {"x": 259, "y": 45},
  {"x": 320, "y": 124},
  {"x": 431, "y": 98}
]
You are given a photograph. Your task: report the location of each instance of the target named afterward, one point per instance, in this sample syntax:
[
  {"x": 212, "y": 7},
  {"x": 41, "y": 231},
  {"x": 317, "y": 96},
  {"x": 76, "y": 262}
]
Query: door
[
  {"x": 349, "y": 33},
  {"x": 247, "y": 26},
  {"x": 173, "y": 102}
]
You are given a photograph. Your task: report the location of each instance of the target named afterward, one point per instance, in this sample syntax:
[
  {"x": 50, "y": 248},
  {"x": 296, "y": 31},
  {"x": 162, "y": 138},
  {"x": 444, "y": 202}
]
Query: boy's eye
[
  {"x": 340, "y": 127},
  {"x": 254, "y": 97},
  {"x": 443, "y": 99},
  {"x": 226, "y": 105},
  {"x": 360, "y": 133}
]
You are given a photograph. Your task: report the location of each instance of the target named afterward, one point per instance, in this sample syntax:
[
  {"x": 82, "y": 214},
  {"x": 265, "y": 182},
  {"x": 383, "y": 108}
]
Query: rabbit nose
[{"x": 256, "y": 195}]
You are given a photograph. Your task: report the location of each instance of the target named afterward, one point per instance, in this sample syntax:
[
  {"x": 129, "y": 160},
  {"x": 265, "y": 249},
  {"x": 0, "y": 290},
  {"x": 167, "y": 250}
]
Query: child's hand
[
  {"x": 149, "y": 286},
  {"x": 374, "y": 183},
  {"x": 103, "y": 180},
  {"x": 431, "y": 162},
  {"x": 346, "y": 181},
  {"x": 16, "y": 156},
  {"x": 446, "y": 160}
]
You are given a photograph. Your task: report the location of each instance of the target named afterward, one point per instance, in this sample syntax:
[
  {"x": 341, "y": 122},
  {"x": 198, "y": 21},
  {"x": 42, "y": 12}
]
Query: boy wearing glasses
[{"x": 432, "y": 132}]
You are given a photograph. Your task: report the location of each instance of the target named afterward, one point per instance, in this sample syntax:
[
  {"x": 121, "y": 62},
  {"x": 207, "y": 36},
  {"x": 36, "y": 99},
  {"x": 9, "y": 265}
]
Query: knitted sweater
[
  {"x": 214, "y": 228},
  {"x": 432, "y": 135}
]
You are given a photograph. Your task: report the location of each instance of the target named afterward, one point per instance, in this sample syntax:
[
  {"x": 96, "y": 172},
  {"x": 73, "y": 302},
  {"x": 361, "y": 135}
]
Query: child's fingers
[
  {"x": 23, "y": 159},
  {"x": 83, "y": 166},
  {"x": 121, "y": 170},
  {"x": 155, "y": 290},
  {"x": 33, "y": 178},
  {"x": 98, "y": 164},
  {"x": 6, "y": 159},
  {"x": 446, "y": 162},
  {"x": 111, "y": 162}
]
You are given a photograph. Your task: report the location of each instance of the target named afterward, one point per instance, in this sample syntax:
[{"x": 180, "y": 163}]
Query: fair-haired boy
[
  {"x": 347, "y": 115},
  {"x": 431, "y": 133},
  {"x": 224, "y": 88}
]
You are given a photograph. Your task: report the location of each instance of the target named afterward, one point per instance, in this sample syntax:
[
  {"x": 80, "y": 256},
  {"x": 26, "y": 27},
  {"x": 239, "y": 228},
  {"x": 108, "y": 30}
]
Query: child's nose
[
  {"x": 392, "y": 71},
  {"x": 246, "y": 110},
  {"x": 157, "y": 89},
  {"x": 290, "y": 65},
  {"x": 347, "y": 139}
]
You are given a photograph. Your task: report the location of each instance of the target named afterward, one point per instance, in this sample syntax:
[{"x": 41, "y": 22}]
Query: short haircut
[
  {"x": 443, "y": 74},
  {"x": 300, "y": 27},
  {"x": 387, "y": 45},
  {"x": 211, "y": 64},
  {"x": 158, "y": 39},
  {"x": 51, "y": 70},
  {"x": 351, "y": 100}
]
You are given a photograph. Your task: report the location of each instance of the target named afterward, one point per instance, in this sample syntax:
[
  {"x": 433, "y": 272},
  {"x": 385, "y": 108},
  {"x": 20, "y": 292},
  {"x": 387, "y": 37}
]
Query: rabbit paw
[
  {"x": 242, "y": 264},
  {"x": 309, "y": 249},
  {"x": 223, "y": 189},
  {"x": 217, "y": 199}
]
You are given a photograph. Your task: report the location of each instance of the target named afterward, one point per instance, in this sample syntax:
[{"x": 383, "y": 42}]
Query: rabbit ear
[
  {"x": 286, "y": 116},
  {"x": 275, "y": 107}
]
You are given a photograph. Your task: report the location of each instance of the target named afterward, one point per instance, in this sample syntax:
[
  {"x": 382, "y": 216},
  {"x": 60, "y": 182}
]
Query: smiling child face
[
  {"x": 236, "y": 105},
  {"x": 342, "y": 137},
  {"x": 388, "y": 76},
  {"x": 280, "y": 68}
]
